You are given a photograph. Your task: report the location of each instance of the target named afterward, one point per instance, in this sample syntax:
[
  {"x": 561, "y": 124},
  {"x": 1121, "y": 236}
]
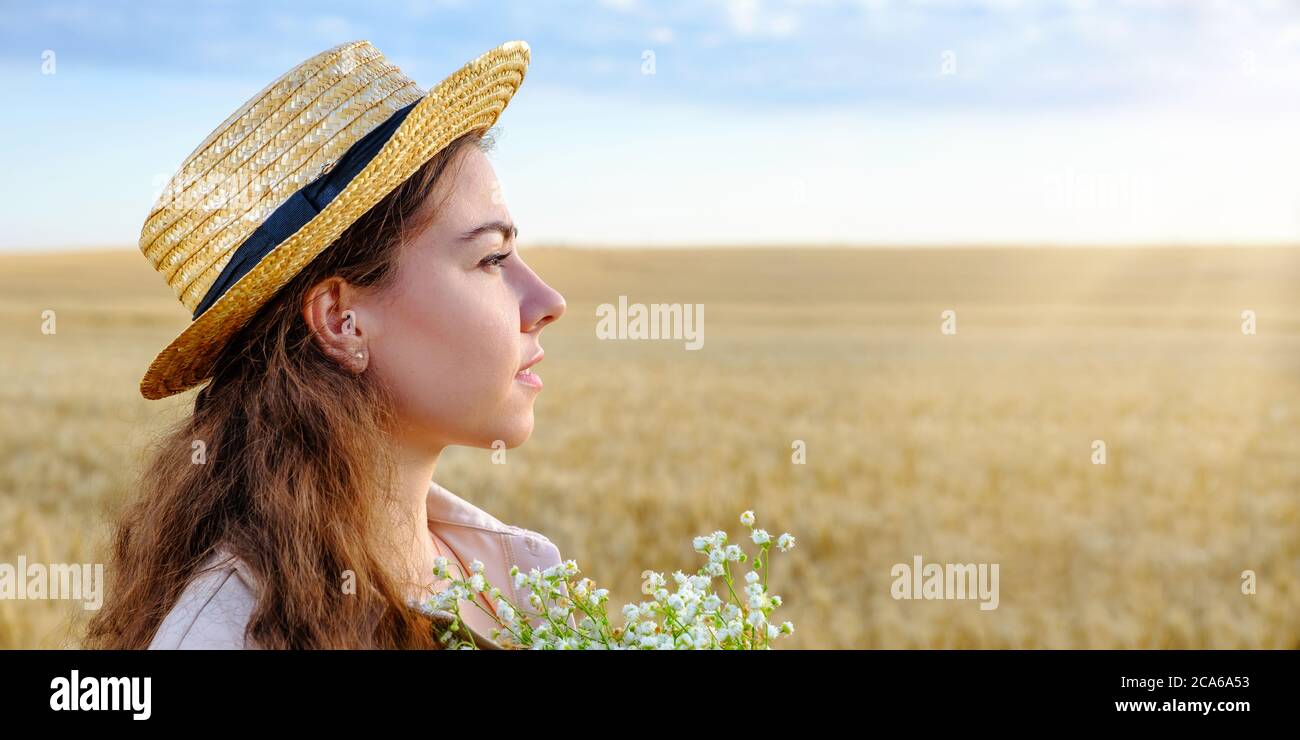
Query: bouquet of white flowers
[{"x": 691, "y": 618}]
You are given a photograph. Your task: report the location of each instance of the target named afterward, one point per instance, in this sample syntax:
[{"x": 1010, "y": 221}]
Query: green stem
[{"x": 594, "y": 618}]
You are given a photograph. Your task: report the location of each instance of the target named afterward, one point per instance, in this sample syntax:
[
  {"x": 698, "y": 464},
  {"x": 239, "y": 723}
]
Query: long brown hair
[{"x": 298, "y": 470}]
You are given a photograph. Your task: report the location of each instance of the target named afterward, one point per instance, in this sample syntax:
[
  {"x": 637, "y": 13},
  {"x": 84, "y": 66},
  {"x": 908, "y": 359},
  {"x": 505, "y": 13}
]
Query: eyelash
[{"x": 495, "y": 260}]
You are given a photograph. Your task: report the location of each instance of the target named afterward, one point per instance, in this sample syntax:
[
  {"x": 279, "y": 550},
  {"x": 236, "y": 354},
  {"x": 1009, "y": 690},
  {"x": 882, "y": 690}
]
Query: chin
[{"x": 516, "y": 434}]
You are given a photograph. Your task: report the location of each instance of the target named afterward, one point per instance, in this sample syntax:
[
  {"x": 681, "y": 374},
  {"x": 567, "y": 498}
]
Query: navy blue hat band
[{"x": 301, "y": 207}]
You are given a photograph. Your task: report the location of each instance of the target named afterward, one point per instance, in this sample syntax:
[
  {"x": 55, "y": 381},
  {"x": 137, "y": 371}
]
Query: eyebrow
[{"x": 508, "y": 231}]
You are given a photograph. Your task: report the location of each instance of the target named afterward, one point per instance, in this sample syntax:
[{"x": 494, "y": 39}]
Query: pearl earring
[{"x": 359, "y": 355}]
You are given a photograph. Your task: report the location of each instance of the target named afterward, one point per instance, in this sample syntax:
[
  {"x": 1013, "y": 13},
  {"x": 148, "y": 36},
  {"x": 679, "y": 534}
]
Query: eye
[{"x": 495, "y": 259}]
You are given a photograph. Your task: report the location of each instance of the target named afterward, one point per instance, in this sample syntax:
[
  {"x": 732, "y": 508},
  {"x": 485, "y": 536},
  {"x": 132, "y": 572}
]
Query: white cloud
[
  {"x": 743, "y": 15},
  {"x": 749, "y": 18}
]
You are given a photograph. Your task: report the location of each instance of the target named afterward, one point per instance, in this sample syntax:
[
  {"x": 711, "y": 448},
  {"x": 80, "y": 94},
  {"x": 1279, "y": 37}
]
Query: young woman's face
[{"x": 450, "y": 336}]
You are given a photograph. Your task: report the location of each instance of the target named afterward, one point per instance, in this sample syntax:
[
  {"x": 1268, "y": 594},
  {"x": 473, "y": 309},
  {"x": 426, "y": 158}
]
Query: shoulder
[
  {"x": 473, "y": 533},
  {"x": 213, "y": 610},
  {"x": 454, "y": 517}
]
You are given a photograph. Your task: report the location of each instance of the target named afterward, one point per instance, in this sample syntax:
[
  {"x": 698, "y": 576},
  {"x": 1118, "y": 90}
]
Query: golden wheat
[{"x": 971, "y": 447}]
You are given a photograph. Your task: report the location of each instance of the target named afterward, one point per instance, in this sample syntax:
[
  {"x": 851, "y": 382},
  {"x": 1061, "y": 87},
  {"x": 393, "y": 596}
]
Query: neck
[{"x": 411, "y": 537}]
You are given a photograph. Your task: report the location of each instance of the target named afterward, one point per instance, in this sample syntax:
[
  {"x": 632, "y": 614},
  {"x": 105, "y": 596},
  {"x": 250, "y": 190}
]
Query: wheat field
[{"x": 966, "y": 447}]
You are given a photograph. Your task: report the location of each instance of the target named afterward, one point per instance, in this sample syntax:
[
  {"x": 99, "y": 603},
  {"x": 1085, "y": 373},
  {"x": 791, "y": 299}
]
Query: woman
[{"x": 370, "y": 319}]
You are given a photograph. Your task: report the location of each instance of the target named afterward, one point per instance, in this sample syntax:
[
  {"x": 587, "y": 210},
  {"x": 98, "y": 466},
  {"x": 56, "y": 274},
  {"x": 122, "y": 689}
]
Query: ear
[{"x": 336, "y": 324}]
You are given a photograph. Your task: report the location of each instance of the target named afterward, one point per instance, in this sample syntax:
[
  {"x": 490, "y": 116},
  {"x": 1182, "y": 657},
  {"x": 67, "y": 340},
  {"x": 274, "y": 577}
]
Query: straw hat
[{"x": 287, "y": 172}]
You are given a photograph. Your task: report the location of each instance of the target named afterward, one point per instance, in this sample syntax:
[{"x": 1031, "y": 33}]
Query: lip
[
  {"x": 534, "y": 361},
  {"x": 528, "y": 377}
]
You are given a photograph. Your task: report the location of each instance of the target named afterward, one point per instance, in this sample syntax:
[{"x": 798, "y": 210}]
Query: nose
[{"x": 541, "y": 306}]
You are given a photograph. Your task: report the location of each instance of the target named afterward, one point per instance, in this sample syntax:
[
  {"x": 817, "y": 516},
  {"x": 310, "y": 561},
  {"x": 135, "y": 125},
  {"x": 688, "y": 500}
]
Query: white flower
[
  {"x": 652, "y": 580},
  {"x": 694, "y": 617}
]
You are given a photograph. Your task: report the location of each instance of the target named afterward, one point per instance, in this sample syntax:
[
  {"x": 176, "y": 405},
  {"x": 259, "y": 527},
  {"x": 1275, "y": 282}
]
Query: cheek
[{"x": 453, "y": 349}]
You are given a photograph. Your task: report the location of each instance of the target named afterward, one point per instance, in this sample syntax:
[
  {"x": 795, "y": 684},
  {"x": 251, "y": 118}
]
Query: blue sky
[{"x": 873, "y": 122}]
